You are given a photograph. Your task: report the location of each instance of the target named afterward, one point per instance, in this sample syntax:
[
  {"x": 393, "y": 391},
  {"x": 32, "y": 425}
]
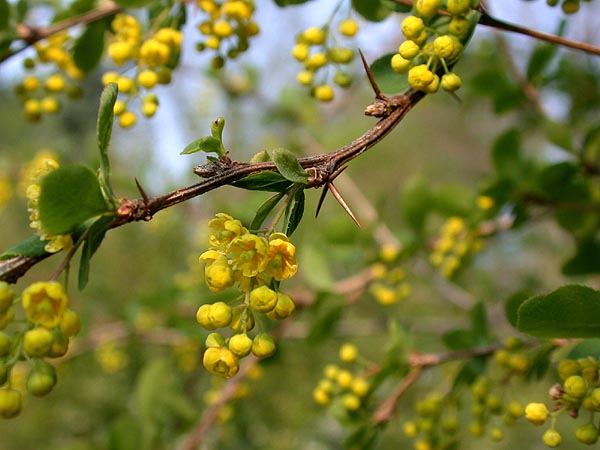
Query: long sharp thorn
[
  {"x": 342, "y": 202},
  {"x": 374, "y": 85},
  {"x": 141, "y": 189},
  {"x": 321, "y": 200}
]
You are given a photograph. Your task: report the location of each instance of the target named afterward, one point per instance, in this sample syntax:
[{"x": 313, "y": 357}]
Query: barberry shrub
[{"x": 246, "y": 309}]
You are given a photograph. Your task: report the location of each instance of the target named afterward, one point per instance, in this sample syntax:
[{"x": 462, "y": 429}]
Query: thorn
[
  {"x": 342, "y": 202},
  {"x": 146, "y": 200},
  {"x": 322, "y": 199},
  {"x": 374, "y": 85}
]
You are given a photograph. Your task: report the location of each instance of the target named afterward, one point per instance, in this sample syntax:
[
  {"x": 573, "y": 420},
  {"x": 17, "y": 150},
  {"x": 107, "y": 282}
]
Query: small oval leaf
[
  {"x": 289, "y": 166},
  {"x": 208, "y": 144}
]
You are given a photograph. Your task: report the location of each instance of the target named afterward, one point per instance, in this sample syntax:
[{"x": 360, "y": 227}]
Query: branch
[
  {"x": 224, "y": 172},
  {"x": 490, "y": 21},
  {"x": 30, "y": 35},
  {"x": 418, "y": 363}
]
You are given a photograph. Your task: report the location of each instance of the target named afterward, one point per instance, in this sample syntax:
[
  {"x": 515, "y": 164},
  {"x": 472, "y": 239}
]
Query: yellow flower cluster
[
  {"x": 227, "y": 29},
  {"x": 433, "y": 43},
  {"x": 50, "y": 324},
  {"x": 41, "y": 167},
  {"x": 41, "y": 95},
  {"x": 455, "y": 245},
  {"x": 389, "y": 285},
  {"x": 578, "y": 392},
  {"x": 256, "y": 265},
  {"x": 154, "y": 58},
  {"x": 315, "y": 53},
  {"x": 343, "y": 385}
]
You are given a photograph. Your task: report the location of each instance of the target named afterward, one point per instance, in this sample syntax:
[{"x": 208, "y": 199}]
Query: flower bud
[
  {"x": 568, "y": 367},
  {"x": 240, "y": 345},
  {"x": 263, "y": 299},
  {"x": 5, "y": 344},
  {"x": 348, "y": 352},
  {"x": 41, "y": 379},
  {"x": 70, "y": 323},
  {"x": 214, "y": 340},
  {"x": 242, "y": 319},
  {"x": 351, "y": 402},
  {"x": 218, "y": 276},
  {"x": 220, "y": 314},
  {"x": 576, "y": 386},
  {"x": 6, "y": 296},
  {"x": 37, "y": 342},
  {"x": 10, "y": 403},
  {"x": 587, "y": 434},
  {"x": 552, "y": 438},
  {"x": 263, "y": 345},
  {"x": 536, "y": 413},
  {"x": 284, "y": 308}
]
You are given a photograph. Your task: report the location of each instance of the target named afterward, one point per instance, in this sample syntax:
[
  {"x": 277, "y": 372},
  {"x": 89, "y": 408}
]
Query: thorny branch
[{"x": 225, "y": 171}]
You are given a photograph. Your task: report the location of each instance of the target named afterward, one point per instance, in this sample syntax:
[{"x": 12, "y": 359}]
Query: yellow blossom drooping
[{"x": 44, "y": 303}]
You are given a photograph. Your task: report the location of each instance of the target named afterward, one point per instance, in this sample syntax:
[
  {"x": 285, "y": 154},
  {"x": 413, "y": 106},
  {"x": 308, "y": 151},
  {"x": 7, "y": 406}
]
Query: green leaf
[
  {"x": 264, "y": 181},
  {"x": 458, "y": 339},
  {"x": 264, "y": 210},
  {"x": 506, "y": 155},
  {"x": 559, "y": 134},
  {"x": 586, "y": 260},
  {"x": 538, "y": 62},
  {"x": 572, "y": 311},
  {"x": 373, "y": 10},
  {"x": 393, "y": 6},
  {"x": 69, "y": 196},
  {"x": 216, "y": 128},
  {"x": 479, "y": 323},
  {"x": 319, "y": 277},
  {"x": 415, "y": 203},
  {"x": 4, "y": 15},
  {"x": 104, "y": 131},
  {"x": 469, "y": 371},
  {"x": 92, "y": 242},
  {"x": 124, "y": 433},
  {"x": 289, "y": 166},
  {"x": 296, "y": 213},
  {"x": 208, "y": 144},
  {"x": 452, "y": 200},
  {"x": 89, "y": 47},
  {"x": 512, "y": 304},
  {"x": 388, "y": 81},
  {"x": 540, "y": 362},
  {"x": 30, "y": 247},
  {"x": 134, "y": 3},
  {"x": 583, "y": 349}
]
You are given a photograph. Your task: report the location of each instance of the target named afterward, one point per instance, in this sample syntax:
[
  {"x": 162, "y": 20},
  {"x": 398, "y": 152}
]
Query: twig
[
  {"x": 418, "y": 362},
  {"x": 31, "y": 35},
  {"x": 490, "y": 21},
  {"x": 225, "y": 172}
]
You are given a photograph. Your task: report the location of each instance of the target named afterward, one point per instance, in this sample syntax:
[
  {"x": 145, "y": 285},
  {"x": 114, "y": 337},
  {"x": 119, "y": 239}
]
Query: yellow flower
[
  {"x": 536, "y": 413},
  {"x": 281, "y": 258},
  {"x": 225, "y": 229},
  {"x": 45, "y": 302},
  {"x": 249, "y": 254},
  {"x": 218, "y": 277},
  {"x": 263, "y": 299},
  {"x": 220, "y": 361}
]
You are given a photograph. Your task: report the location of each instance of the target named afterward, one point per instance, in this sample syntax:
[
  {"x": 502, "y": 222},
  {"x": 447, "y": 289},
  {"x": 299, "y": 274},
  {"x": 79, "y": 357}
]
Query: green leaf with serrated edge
[
  {"x": 92, "y": 242},
  {"x": 264, "y": 181},
  {"x": 512, "y": 304},
  {"x": 388, "y": 81},
  {"x": 288, "y": 165},
  {"x": 264, "y": 210},
  {"x": 372, "y": 10},
  {"x": 30, "y": 247},
  {"x": 4, "y": 15},
  {"x": 208, "y": 144},
  {"x": 69, "y": 196},
  {"x": 89, "y": 47},
  {"x": 571, "y": 311},
  {"x": 296, "y": 213},
  {"x": 104, "y": 131},
  {"x": 585, "y": 348}
]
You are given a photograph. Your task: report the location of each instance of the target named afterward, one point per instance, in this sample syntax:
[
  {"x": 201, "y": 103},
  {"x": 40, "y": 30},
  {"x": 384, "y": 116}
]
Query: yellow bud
[
  {"x": 263, "y": 345},
  {"x": 536, "y": 413},
  {"x": 240, "y": 345},
  {"x": 263, "y": 299}
]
